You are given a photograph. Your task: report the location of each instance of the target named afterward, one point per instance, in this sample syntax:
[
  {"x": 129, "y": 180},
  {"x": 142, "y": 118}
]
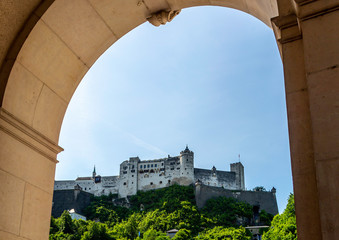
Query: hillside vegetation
[{"x": 151, "y": 214}]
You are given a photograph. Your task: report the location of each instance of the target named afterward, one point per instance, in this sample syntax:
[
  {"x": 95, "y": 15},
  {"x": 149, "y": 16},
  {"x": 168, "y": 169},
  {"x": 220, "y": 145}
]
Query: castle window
[
  {"x": 187, "y": 173},
  {"x": 132, "y": 182},
  {"x": 147, "y": 165},
  {"x": 151, "y": 165},
  {"x": 172, "y": 168},
  {"x": 155, "y": 165},
  {"x": 186, "y": 160},
  {"x": 151, "y": 183},
  {"x": 89, "y": 189},
  {"x": 160, "y": 182},
  {"x": 132, "y": 166},
  {"x": 144, "y": 166},
  {"x": 132, "y": 175},
  {"x": 162, "y": 164},
  {"x": 140, "y": 166},
  {"x": 85, "y": 189},
  {"x": 133, "y": 170},
  {"x": 125, "y": 183},
  {"x": 124, "y": 172},
  {"x": 169, "y": 181},
  {"x": 178, "y": 168}
]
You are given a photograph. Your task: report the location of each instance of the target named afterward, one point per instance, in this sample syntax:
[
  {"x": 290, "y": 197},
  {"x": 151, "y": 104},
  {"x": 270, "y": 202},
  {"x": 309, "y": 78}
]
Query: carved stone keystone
[{"x": 162, "y": 17}]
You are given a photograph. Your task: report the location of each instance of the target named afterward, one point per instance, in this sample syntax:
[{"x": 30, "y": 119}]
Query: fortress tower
[
  {"x": 186, "y": 167},
  {"x": 128, "y": 178},
  {"x": 238, "y": 168}
]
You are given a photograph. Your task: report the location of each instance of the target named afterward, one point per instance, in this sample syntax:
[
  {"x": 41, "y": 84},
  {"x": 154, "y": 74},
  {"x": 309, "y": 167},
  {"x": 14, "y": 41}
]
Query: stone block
[
  {"x": 49, "y": 114},
  {"x": 294, "y": 74},
  {"x": 324, "y": 105},
  {"x": 80, "y": 26},
  {"x": 12, "y": 16},
  {"x": 306, "y": 198},
  {"x": 301, "y": 142},
  {"x": 27, "y": 164},
  {"x": 328, "y": 185},
  {"x": 320, "y": 37},
  {"x": 11, "y": 199},
  {"x": 9, "y": 236},
  {"x": 180, "y": 4},
  {"x": 132, "y": 12},
  {"x": 46, "y": 56},
  {"x": 22, "y": 93},
  {"x": 35, "y": 213}
]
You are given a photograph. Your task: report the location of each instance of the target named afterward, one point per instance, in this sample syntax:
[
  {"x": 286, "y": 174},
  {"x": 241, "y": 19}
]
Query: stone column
[
  {"x": 319, "y": 22},
  {"x": 308, "y": 42},
  {"x": 27, "y": 169}
]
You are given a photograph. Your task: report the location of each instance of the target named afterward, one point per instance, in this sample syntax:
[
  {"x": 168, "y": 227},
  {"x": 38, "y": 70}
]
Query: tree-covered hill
[{"x": 151, "y": 214}]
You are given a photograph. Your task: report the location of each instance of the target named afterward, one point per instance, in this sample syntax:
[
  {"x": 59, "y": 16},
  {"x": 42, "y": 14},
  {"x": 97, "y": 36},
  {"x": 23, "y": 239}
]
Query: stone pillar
[
  {"x": 320, "y": 27},
  {"x": 308, "y": 42},
  {"x": 27, "y": 169}
]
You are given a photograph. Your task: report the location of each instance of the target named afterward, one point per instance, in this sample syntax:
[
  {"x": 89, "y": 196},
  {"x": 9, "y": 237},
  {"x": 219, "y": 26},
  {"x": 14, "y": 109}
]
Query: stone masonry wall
[{"x": 266, "y": 200}]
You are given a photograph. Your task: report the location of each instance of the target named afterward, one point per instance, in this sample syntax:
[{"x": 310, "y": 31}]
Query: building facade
[{"x": 137, "y": 175}]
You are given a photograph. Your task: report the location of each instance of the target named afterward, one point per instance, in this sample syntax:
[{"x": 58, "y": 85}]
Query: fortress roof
[{"x": 84, "y": 178}]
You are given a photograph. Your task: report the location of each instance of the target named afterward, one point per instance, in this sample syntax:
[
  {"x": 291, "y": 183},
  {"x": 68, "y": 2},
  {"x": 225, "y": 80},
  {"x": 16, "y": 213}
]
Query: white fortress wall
[{"x": 64, "y": 185}]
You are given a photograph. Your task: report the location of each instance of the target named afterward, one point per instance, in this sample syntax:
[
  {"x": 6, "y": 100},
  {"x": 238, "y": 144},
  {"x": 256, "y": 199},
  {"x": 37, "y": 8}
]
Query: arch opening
[{"x": 38, "y": 81}]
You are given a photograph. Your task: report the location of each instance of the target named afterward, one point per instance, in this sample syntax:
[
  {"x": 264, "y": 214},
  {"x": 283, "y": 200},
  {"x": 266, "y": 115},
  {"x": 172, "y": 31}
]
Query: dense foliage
[
  {"x": 283, "y": 226},
  {"x": 152, "y": 214},
  {"x": 228, "y": 212}
]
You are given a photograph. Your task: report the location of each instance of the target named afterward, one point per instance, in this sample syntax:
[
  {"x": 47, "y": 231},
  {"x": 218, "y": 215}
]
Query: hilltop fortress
[{"x": 137, "y": 175}]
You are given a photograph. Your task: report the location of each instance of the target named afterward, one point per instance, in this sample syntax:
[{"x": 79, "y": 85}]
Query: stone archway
[{"x": 49, "y": 45}]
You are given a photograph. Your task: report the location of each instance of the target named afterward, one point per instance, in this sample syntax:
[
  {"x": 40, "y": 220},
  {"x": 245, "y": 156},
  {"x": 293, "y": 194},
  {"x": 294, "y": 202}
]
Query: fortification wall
[
  {"x": 215, "y": 178},
  {"x": 64, "y": 185},
  {"x": 70, "y": 199},
  {"x": 265, "y": 200}
]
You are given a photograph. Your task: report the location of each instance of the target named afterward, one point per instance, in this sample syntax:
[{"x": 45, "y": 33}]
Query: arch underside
[{"x": 46, "y": 47}]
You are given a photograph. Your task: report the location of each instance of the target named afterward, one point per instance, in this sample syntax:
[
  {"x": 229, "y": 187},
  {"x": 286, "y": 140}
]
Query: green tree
[
  {"x": 182, "y": 234},
  {"x": 108, "y": 216},
  {"x": 96, "y": 231},
  {"x": 127, "y": 229},
  {"x": 225, "y": 211},
  {"x": 152, "y": 234},
  {"x": 66, "y": 223},
  {"x": 54, "y": 228},
  {"x": 265, "y": 218},
  {"x": 157, "y": 220},
  {"x": 186, "y": 217},
  {"x": 220, "y": 233},
  {"x": 283, "y": 226}
]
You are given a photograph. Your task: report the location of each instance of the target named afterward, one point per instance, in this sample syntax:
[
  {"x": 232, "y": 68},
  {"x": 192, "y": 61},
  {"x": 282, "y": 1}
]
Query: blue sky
[{"x": 212, "y": 78}]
